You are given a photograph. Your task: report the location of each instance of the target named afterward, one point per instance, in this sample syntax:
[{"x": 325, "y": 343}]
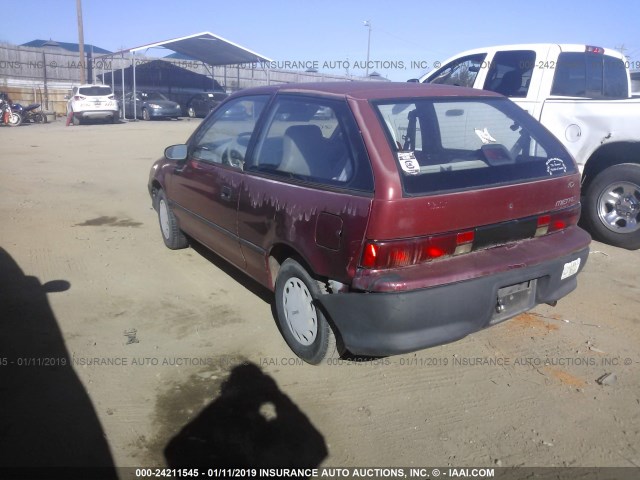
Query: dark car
[
  {"x": 410, "y": 216},
  {"x": 202, "y": 103},
  {"x": 150, "y": 105}
]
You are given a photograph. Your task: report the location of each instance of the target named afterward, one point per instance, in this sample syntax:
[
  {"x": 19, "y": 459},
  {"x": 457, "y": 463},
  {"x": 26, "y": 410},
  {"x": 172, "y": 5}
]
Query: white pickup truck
[{"x": 582, "y": 94}]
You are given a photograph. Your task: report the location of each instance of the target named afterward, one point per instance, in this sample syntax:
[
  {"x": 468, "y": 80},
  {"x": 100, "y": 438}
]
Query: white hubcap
[
  {"x": 299, "y": 311},
  {"x": 164, "y": 219}
]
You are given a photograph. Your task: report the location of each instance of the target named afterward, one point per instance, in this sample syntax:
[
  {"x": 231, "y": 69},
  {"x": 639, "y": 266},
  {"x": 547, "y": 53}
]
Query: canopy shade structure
[{"x": 206, "y": 47}]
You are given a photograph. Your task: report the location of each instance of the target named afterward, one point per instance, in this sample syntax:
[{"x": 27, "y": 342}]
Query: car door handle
[{"x": 225, "y": 193}]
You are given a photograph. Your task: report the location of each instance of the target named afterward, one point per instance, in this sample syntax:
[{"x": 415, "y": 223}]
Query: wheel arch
[
  {"x": 154, "y": 187},
  {"x": 276, "y": 257},
  {"x": 608, "y": 155}
]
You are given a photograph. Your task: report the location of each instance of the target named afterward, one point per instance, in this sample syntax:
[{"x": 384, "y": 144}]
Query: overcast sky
[{"x": 407, "y": 37}]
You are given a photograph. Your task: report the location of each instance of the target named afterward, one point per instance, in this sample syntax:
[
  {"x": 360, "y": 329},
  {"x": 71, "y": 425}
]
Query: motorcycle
[
  {"x": 8, "y": 116},
  {"x": 29, "y": 113}
]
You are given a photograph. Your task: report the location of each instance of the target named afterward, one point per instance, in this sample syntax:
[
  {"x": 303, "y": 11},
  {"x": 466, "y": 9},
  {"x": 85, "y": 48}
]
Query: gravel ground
[{"x": 118, "y": 352}]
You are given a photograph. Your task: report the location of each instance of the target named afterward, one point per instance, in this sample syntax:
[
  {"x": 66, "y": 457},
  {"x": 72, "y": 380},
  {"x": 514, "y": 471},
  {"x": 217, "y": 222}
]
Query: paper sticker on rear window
[
  {"x": 484, "y": 136},
  {"x": 408, "y": 163},
  {"x": 555, "y": 165}
]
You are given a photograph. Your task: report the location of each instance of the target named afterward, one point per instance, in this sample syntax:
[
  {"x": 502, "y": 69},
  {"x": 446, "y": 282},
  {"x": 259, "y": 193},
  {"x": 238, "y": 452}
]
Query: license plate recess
[{"x": 514, "y": 299}]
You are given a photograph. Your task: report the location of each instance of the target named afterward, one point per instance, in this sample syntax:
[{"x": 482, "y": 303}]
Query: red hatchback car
[{"x": 386, "y": 217}]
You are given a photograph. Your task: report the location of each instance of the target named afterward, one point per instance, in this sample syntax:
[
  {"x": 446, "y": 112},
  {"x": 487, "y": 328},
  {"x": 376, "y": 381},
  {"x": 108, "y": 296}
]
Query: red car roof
[{"x": 373, "y": 90}]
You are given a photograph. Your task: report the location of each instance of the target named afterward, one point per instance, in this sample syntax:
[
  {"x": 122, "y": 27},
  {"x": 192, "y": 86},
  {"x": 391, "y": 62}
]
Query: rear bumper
[
  {"x": 97, "y": 114},
  {"x": 164, "y": 113},
  {"x": 398, "y": 322}
]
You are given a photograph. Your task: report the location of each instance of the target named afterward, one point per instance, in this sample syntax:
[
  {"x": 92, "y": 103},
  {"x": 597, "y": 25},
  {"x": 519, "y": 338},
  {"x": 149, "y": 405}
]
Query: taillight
[
  {"x": 79, "y": 97},
  {"x": 402, "y": 253},
  {"x": 554, "y": 222},
  {"x": 111, "y": 97},
  {"x": 592, "y": 49},
  {"x": 564, "y": 218},
  {"x": 413, "y": 251},
  {"x": 542, "y": 227}
]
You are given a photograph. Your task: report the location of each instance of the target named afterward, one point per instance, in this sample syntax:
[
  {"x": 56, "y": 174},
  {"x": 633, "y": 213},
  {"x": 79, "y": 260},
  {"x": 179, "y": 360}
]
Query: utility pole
[
  {"x": 83, "y": 75},
  {"x": 367, "y": 24}
]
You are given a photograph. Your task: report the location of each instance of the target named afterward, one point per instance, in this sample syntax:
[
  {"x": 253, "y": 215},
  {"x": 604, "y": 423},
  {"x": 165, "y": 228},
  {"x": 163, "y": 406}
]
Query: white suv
[{"x": 92, "y": 101}]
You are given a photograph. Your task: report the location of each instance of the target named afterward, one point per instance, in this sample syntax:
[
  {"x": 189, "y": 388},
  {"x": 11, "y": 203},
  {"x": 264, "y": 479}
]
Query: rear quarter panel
[{"x": 273, "y": 212}]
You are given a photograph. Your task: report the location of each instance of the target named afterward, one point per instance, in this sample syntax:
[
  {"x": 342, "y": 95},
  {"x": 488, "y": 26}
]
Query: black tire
[
  {"x": 145, "y": 114},
  {"x": 76, "y": 120},
  {"x": 191, "y": 112},
  {"x": 171, "y": 233},
  {"x": 115, "y": 118},
  {"x": 15, "y": 120},
  {"x": 310, "y": 337},
  {"x": 40, "y": 118},
  {"x": 612, "y": 206}
]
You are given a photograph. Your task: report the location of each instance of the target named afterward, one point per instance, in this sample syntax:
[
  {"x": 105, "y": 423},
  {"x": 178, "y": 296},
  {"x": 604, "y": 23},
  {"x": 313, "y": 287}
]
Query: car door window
[
  {"x": 510, "y": 73},
  {"x": 314, "y": 140},
  {"x": 225, "y": 136},
  {"x": 461, "y": 72}
]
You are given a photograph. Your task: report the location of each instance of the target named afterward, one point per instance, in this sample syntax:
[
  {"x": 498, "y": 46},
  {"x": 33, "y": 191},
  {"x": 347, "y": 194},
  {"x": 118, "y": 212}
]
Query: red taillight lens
[
  {"x": 554, "y": 222},
  {"x": 403, "y": 253},
  {"x": 79, "y": 97},
  {"x": 563, "y": 219},
  {"x": 370, "y": 255}
]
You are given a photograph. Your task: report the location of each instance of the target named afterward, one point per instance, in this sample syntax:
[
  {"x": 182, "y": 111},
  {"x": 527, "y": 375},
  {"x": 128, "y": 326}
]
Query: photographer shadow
[
  {"x": 46, "y": 419},
  {"x": 252, "y": 424}
]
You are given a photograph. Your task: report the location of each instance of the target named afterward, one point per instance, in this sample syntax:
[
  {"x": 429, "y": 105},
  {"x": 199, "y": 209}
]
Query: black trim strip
[{"x": 215, "y": 226}]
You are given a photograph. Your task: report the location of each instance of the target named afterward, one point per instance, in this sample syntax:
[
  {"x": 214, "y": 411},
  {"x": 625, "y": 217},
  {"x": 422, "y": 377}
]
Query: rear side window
[
  {"x": 313, "y": 140},
  {"x": 456, "y": 144},
  {"x": 590, "y": 75},
  {"x": 510, "y": 73}
]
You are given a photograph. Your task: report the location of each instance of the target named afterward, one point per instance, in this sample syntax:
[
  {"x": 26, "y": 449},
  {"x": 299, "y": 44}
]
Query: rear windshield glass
[
  {"x": 153, "y": 96},
  {"x": 456, "y": 144},
  {"x": 95, "y": 91},
  {"x": 590, "y": 75}
]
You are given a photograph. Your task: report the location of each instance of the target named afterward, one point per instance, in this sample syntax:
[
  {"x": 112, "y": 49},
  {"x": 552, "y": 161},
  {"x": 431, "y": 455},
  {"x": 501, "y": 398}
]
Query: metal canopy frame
[{"x": 206, "y": 47}]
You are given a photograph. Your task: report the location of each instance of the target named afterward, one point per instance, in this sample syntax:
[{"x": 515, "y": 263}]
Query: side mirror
[
  {"x": 413, "y": 80},
  {"x": 176, "y": 152}
]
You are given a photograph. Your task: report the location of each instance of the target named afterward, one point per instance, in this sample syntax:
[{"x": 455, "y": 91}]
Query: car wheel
[
  {"x": 145, "y": 114},
  {"x": 303, "y": 325},
  {"x": 76, "y": 119},
  {"x": 171, "y": 233},
  {"x": 115, "y": 118},
  {"x": 191, "y": 112},
  {"x": 15, "y": 119},
  {"x": 612, "y": 206}
]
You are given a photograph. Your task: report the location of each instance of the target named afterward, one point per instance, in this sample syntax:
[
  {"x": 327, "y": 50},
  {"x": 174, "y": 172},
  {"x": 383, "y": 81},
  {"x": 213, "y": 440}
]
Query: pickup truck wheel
[
  {"x": 612, "y": 206},
  {"x": 302, "y": 324},
  {"x": 171, "y": 233}
]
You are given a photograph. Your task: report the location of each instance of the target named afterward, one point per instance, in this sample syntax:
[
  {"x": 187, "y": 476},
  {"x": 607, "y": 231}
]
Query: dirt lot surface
[{"x": 118, "y": 351}]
